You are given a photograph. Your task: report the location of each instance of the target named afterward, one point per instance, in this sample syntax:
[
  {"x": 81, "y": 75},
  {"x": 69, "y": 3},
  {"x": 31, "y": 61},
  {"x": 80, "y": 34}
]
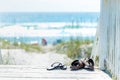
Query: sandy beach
[{"x": 21, "y": 57}]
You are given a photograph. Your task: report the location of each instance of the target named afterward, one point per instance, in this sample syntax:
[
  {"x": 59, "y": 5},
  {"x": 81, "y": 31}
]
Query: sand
[{"x": 21, "y": 57}]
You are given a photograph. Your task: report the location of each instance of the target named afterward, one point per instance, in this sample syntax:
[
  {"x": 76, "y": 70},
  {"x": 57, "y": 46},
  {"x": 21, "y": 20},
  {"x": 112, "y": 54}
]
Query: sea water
[{"x": 49, "y": 25}]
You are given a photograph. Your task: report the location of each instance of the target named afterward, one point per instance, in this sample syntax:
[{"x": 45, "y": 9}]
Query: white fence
[{"x": 108, "y": 42}]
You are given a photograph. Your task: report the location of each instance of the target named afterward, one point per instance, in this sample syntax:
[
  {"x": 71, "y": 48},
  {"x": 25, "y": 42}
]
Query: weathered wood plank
[
  {"x": 41, "y": 79},
  {"x": 13, "y": 72}
]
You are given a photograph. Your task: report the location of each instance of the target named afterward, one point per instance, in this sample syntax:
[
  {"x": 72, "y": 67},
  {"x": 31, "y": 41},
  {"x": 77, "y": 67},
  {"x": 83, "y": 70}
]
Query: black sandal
[
  {"x": 76, "y": 65},
  {"x": 57, "y": 66}
]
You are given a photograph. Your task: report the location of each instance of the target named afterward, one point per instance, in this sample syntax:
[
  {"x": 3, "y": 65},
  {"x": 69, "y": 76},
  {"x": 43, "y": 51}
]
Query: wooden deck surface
[{"x": 12, "y": 72}]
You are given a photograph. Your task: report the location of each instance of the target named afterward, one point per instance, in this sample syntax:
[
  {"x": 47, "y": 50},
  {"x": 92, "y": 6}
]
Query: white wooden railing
[{"x": 108, "y": 43}]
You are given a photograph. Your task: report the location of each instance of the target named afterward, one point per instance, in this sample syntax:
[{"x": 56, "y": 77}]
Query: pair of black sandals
[
  {"x": 75, "y": 65},
  {"x": 82, "y": 64}
]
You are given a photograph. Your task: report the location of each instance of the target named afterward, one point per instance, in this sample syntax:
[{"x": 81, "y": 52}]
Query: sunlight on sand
[{"x": 20, "y": 57}]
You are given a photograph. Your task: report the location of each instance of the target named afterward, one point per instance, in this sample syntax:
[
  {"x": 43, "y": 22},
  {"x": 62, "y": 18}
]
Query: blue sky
[{"x": 49, "y": 5}]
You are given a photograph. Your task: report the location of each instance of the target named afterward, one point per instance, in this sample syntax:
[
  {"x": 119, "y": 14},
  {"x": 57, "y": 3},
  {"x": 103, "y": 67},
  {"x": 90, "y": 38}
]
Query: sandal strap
[
  {"x": 56, "y": 63},
  {"x": 59, "y": 66}
]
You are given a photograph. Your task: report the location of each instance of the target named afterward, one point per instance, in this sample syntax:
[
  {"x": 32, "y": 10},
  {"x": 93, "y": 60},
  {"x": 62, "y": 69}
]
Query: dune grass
[
  {"x": 30, "y": 48},
  {"x": 14, "y": 45},
  {"x": 73, "y": 48}
]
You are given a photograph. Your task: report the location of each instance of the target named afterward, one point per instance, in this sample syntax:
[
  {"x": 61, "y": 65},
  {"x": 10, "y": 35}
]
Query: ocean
[
  {"x": 30, "y": 27},
  {"x": 32, "y": 17}
]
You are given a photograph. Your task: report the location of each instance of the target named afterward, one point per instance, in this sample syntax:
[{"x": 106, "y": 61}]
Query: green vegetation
[
  {"x": 97, "y": 61},
  {"x": 74, "y": 47},
  {"x": 30, "y": 48},
  {"x": 27, "y": 47},
  {"x": 72, "y": 27},
  {"x": 8, "y": 60}
]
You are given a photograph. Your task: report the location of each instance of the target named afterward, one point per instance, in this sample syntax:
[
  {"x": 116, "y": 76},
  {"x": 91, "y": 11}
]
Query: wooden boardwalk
[{"x": 12, "y": 72}]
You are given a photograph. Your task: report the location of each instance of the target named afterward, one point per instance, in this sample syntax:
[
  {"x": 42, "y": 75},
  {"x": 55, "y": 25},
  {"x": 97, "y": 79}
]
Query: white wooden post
[
  {"x": 109, "y": 36},
  {"x": 103, "y": 36},
  {"x": 117, "y": 39}
]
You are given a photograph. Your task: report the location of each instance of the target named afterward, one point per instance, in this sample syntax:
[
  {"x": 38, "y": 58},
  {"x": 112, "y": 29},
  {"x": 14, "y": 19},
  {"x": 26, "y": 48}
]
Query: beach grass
[
  {"x": 14, "y": 45},
  {"x": 30, "y": 47},
  {"x": 73, "y": 48}
]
